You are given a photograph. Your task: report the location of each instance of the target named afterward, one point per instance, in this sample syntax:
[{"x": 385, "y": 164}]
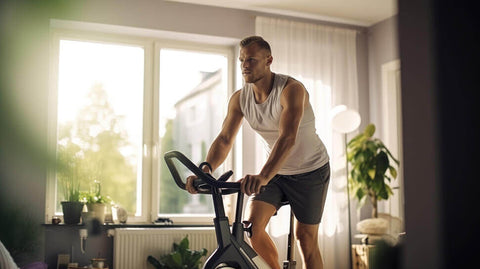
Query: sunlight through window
[{"x": 99, "y": 119}]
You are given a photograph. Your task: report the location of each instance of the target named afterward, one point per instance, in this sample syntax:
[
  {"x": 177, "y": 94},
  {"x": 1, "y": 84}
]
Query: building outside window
[{"x": 194, "y": 116}]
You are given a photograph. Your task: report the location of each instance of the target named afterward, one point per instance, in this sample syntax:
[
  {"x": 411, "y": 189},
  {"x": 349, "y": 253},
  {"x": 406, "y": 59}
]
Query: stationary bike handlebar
[{"x": 205, "y": 182}]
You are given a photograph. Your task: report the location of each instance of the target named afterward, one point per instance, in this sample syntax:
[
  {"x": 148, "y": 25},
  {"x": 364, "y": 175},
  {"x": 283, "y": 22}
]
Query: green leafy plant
[
  {"x": 71, "y": 191},
  {"x": 95, "y": 195},
  {"x": 181, "y": 257},
  {"x": 97, "y": 203},
  {"x": 68, "y": 174},
  {"x": 371, "y": 169}
]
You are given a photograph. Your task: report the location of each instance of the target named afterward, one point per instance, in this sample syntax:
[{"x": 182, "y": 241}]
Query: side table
[{"x": 362, "y": 256}]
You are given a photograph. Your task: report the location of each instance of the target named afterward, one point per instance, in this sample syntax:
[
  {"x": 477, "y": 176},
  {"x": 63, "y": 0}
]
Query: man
[{"x": 297, "y": 169}]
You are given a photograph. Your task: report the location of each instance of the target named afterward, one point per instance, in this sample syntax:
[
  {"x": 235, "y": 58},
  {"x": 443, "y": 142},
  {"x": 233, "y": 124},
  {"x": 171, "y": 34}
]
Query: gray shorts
[{"x": 305, "y": 192}]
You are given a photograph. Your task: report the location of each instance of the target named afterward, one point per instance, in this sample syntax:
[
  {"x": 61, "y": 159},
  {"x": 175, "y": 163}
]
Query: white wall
[
  {"x": 382, "y": 48},
  {"x": 382, "y": 51}
]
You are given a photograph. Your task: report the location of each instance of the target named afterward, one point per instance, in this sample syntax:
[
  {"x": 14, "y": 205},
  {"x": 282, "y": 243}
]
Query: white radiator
[{"x": 132, "y": 246}]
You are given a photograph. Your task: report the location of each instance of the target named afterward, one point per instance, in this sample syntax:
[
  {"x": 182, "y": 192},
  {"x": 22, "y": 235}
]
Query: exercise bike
[{"x": 232, "y": 251}]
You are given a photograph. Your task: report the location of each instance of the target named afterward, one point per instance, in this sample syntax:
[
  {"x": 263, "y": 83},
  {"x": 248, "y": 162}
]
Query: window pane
[
  {"x": 100, "y": 116},
  {"x": 193, "y": 98}
]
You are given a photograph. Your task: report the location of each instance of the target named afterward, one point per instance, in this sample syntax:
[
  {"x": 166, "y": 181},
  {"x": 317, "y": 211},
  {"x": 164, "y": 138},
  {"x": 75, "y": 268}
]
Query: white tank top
[{"x": 308, "y": 153}]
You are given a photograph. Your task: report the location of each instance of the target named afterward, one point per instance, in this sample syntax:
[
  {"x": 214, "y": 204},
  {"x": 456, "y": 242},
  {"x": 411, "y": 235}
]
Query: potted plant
[
  {"x": 181, "y": 257},
  {"x": 372, "y": 168},
  {"x": 96, "y": 202},
  {"x": 72, "y": 206}
]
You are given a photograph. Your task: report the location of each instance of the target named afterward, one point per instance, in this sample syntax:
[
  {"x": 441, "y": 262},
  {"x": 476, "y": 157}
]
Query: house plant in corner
[
  {"x": 372, "y": 168},
  {"x": 372, "y": 171}
]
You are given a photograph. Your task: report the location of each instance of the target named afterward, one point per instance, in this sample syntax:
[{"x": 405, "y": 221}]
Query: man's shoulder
[
  {"x": 237, "y": 93},
  {"x": 235, "y": 97},
  {"x": 292, "y": 83},
  {"x": 292, "y": 89}
]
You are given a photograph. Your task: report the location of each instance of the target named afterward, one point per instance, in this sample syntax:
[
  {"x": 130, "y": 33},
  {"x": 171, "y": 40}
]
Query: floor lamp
[{"x": 346, "y": 121}]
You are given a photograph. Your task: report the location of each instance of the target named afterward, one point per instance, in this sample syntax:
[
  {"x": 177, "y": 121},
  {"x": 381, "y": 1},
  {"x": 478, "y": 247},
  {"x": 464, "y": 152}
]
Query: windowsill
[{"x": 133, "y": 225}]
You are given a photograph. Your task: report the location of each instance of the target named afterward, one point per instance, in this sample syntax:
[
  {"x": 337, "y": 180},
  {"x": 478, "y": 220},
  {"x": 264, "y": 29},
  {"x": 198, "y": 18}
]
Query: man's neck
[{"x": 263, "y": 87}]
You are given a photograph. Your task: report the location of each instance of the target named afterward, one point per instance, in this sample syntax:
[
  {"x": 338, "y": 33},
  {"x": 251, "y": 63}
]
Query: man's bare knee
[
  {"x": 258, "y": 230},
  {"x": 259, "y": 214}
]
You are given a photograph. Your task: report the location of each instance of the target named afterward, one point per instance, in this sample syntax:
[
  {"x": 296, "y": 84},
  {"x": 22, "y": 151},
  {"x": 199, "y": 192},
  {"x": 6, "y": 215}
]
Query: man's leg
[
  {"x": 307, "y": 235},
  {"x": 259, "y": 214}
]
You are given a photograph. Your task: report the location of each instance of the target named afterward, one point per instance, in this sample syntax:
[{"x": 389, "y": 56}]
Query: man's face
[{"x": 255, "y": 62}]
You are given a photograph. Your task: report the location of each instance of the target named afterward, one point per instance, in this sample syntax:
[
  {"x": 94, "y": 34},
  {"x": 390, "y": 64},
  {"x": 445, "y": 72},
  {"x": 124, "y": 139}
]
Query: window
[
  {"x": 119, "y": 103},
  {"x": 191, "y": 114},
  {"x": 99, "y": 122}
]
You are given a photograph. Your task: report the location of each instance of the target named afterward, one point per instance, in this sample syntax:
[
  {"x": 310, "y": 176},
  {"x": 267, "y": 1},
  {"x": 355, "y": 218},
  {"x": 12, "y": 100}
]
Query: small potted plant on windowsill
[
  {"x": 72, "y": 206},
  {"x": 96, "y": 202}
]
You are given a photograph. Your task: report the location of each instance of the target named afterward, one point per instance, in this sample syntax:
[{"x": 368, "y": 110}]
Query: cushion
[{"x": 373, "y": 226}]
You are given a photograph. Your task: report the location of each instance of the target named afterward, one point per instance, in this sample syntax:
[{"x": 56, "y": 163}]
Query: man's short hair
[{"x": 255, "y": 40}]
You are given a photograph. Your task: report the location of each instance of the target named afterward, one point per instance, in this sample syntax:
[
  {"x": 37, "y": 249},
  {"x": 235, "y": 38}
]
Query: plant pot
[
  {"x": 98, "y": 210},
  {"x": 72, "y": 212}
]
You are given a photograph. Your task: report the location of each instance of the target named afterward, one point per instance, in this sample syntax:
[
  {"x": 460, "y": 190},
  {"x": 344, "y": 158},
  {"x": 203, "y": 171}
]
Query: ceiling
[{"x": 357, "y": 12}]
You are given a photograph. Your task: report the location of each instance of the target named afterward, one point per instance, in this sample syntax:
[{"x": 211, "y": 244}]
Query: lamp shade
[{"x": 346, "y": 121}]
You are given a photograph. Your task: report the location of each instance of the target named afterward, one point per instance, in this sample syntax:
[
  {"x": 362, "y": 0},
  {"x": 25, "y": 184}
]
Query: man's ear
[{"x": 269, "y": 60}]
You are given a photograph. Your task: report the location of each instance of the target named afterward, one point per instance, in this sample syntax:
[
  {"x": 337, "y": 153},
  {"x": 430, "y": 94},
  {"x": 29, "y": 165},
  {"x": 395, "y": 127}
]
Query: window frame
[
  {"x": 151, "y": 145},
  {"x": 62, "y": 34},
  {"x": 227, "y": 51}
]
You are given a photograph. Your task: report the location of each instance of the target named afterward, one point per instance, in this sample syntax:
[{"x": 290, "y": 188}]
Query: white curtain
[{"x": 323, "y": 58}]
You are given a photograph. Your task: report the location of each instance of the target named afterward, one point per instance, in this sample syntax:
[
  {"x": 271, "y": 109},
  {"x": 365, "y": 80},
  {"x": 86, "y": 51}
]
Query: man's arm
[
  {"x": 223, "y": 143},
  {"x": 292, "y": 100}
]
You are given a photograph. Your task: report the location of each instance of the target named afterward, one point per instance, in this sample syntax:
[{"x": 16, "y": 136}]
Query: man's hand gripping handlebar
[{"x": 201, "y": 181}]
